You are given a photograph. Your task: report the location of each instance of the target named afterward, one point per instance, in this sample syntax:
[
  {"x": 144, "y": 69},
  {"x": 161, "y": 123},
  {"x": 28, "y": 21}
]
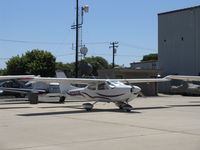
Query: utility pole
[
  {"x": 77, "y": 34},
  {"x": 114, "y": 46}
]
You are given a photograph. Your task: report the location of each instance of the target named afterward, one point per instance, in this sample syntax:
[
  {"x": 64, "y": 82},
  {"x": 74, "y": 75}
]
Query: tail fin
[{"x": 64, "y": 87}]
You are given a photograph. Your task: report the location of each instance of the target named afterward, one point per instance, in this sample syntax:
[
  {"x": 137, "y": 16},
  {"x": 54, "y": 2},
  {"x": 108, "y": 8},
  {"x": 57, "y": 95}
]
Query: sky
[{"x": 46, "y": 25}]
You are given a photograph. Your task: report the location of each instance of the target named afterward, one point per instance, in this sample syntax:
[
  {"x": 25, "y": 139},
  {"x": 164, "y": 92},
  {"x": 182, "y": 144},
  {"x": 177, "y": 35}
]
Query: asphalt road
[{"x": 157, "y": 123}]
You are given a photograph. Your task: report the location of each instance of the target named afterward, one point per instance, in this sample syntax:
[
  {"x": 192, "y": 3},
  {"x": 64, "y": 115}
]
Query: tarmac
[{"x": 157, "y": 123}]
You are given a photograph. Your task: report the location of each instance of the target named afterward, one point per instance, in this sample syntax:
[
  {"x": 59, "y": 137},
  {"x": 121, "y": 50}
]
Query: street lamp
[{"x": 77, "y": 26}]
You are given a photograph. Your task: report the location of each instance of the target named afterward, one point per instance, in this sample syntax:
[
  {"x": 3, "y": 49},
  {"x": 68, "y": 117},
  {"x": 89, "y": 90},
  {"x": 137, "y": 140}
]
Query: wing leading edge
[
  {"x": 91, "y": 81},
  {"x": 17, "y": 77},
  {"x": 184, "y": 78}
]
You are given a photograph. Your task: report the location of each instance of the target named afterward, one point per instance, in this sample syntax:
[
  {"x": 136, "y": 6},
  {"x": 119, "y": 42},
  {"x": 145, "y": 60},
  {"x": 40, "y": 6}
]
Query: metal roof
[{"x": 179, "y": 10}]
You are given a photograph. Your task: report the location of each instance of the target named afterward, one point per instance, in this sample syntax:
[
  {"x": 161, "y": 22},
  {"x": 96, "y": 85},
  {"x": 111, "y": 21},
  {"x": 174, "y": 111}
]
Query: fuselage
[{"x": 108, "y": 91}]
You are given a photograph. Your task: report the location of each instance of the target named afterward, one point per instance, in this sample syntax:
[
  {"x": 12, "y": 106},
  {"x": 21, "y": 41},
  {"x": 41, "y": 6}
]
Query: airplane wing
[
  {"x": 167, "y": 78},
  {"x": 184, "y": 78},
  {"x": 22, "y": 90},
  {"x": 145, "y": 80},
  {"x": 69, "y": 80},
  {"x": 92, "y": 81},
  {"x": 17, "y": 77}
]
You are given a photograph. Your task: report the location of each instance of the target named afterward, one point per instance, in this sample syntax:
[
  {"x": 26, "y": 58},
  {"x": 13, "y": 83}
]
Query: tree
[
  {"x": 97, "y": 63},
  {"x": 3, "y": 72},
  {"x": 16, "y": 66},
  {"x": 150, "y": 57},
  {"x": 40, "y": 62},
  {"x": 36, "y": 62}
]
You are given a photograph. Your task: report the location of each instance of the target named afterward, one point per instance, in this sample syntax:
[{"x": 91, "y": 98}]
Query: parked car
[{"x": 12, "y": 84}]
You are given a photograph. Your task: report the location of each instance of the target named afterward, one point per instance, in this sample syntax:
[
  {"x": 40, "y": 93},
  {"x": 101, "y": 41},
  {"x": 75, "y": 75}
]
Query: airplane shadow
[
  {"x": 82, "y": 110},
  {"x": 145, "y": 108},
  {"x": 183, "y": 106},
  {"x": 73, "y": 106},
  {"x": 194, "y": 101},
  {"x": 57, "y": 102},
  {"x": 12, "y": 103},
  {"x": 77, "y": 112},
  {"x": 14, "y": 108}
]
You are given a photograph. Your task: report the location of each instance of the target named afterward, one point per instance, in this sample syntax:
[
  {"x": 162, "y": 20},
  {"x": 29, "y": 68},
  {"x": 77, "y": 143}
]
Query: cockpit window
[{"x": 114, "y": 83}]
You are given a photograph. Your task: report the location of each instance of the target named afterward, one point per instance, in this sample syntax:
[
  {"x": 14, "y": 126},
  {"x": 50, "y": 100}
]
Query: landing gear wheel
[
  {"x": 33, "y": 98},
  {"x": 87, "y": 106},
  {"x": 120, "y": 107},
  {"x": 62, "y": 99},
  {"x": 127, "y": 110},
  {"x": 88, "y": 109},
  {"x": 127, "y": 107}
]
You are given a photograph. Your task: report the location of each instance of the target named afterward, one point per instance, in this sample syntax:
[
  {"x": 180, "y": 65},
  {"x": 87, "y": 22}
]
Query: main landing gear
[
  {"x": 62, "y": 99},
  {"x": 88, "y": 106},
  {"x": 124, "y": 106}
]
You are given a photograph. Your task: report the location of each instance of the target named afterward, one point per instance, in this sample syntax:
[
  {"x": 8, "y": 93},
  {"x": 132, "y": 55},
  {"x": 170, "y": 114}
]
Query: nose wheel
[{"x": 124, "y": 106}]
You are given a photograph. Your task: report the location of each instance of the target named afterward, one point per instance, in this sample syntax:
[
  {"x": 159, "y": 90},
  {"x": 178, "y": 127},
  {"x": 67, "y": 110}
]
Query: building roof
[
  {"x": 130, "y": 70},
  {"x": 179, "y": 10},
  {"x": 143, "y": 62}
]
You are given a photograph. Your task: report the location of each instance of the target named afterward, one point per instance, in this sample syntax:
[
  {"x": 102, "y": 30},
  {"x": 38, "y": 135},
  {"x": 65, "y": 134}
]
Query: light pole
[{"x": 77, "y": 26}]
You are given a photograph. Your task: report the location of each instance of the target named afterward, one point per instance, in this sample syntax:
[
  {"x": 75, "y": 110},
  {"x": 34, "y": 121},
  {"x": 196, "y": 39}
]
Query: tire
[
  {"x": 62, "y": 99},
  {"x": 88, "y": 109},
  {"x": 33, "y": 98}
]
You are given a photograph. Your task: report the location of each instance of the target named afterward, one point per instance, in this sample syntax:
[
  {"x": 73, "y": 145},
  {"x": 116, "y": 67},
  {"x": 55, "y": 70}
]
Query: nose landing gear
[{"x": 124, "y": 106}]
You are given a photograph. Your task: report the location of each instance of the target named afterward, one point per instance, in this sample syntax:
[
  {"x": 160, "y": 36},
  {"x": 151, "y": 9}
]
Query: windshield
[{"x": 114, "y": 83}]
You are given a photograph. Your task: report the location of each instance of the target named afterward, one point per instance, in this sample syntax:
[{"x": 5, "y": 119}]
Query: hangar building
[{"x": 179, "y": 41}]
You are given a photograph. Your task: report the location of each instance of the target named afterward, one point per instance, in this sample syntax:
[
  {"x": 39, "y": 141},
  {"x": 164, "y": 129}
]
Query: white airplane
[{"x": 103, "y": 90}]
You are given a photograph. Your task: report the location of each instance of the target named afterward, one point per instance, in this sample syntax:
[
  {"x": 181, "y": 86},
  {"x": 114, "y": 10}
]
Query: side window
[
  {"x": 92, "y": 87},
  {"x": 102, "y": 86},
  {"x": 54, "y": 89}
]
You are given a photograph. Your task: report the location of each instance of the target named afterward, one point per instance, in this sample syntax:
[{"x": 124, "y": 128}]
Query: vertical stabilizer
[{"x": 64, "y": 87}]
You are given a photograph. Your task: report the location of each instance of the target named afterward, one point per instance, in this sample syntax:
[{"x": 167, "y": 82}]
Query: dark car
[{"x": 11, "y": 84}]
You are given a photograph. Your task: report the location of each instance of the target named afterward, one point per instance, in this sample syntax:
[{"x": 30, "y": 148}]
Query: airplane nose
[{"x": 135, "y": 89}]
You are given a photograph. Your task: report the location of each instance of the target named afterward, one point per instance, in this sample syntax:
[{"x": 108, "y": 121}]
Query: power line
[
  {"x": 97, "y": 43},
  {"x": 88, "y": 43},
  {"x": 137, "y": 47},
  {"x": 53, "y": 43},
  {"x": 61, "y": 55},
  {"x": 31, "y": 42},
  {"x": 4, "y": 58}
]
